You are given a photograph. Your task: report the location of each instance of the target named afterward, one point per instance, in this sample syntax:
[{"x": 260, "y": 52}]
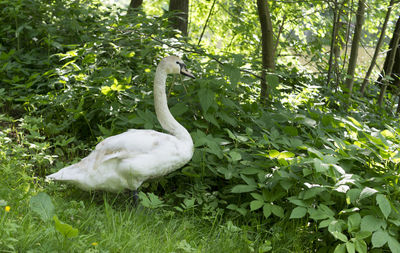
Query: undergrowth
[{"x": 303, "y": 174}]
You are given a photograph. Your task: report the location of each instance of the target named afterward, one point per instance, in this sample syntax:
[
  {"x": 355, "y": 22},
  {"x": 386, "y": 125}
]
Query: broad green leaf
[
  {"x": 235, "y": 156},
  {"x": 265, "y": 247},
  {"x": 267, "y": 211},
  {"x": 387, "y": 134},
  {"x": 363, "y": 234},
  {"x": 240, "y": 210},
  {"x": 336, "y": 226},
  {"x": 257, "y": 196},
  {"x": 394, "y": 244},
  {"x": 361, "y": 246},
  {"x": 379, "y": 238},
  {"x": 354, "y": 222},
  {"x": 355, "y": 122},
  {"x": 297, "y": 201},
  {"x": 206, "y": 98},
  {"x": 371, "y": 223},
  {"x": 326, "y": 223},
  {"x": 350, "y": 247},
  {"x": 320, "y": 166},
  {"x": 42, "y": 205},
  {"x": 317, "y": 214},
  {"x": 367, "y": 192},
  {"x": 291, "y": 130},
  {"x": 285, "y": 155},
  {"x": 340, "y": 236},
  {"x": 384, "y": 205},
  {"x": 273, "y": 153},
  {"x": 179, "y": 109},
  {"x": 352, "y": 195},
  {"x": 65, "y": 229},
  {"x": 340, "y": 248},
  {"x": 298, "y": 212},
  {"x": 243, "y": 188},
  {"x": 256, "y": 204},
  {"x": 277, "y": 210}
]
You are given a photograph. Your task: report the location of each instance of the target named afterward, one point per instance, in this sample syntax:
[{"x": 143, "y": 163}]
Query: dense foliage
[{"x": 307, "y": 172}]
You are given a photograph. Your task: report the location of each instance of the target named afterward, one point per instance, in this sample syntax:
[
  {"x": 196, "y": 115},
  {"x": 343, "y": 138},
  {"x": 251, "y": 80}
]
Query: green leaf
[
  {"x": 384, "y": 205},
  {"x": 267, "y": 210},
  {"x": 352, "y": 195},
  {"x": 277, "y": 210},
  {"x": 367, "y": 192},
  {"x": 355, "y": 122},
  {"x": 256, "y": 204},
  {"x": 65, "y": 229},
  {"x": 320, "y": 166},
  {"x": 291, "y": 130},
  {"x": 363, "y": 234},
  {"x": 273, "y": 153},
  {"x": 340, "y": 236},
  {"x": 298, "y": 212},
  {"x": 379, "y": 238},
  {"x": 243, "y": 188},
  {"x": 206, "y": 98},
  {"x": 340, "y": 248},
  {"x": 371, "y": 223},
  {"x": 42, "y": 205},
  {"x": 387, "y": 134},
  {"x": 361, "y": 246},
  {"x": 235, "y": 156},
  {"x": 350, "y": 247},
  {"x": 394, "y": 244},
  {"x": 240, "y": 210},
  {"x": 285, "y": 155},
  {"x": 354, "y": 222}
]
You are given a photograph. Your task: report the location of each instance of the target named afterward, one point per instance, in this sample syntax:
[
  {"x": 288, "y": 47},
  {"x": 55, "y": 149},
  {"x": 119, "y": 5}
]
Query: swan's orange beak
[{"x": 186, "y": 72}]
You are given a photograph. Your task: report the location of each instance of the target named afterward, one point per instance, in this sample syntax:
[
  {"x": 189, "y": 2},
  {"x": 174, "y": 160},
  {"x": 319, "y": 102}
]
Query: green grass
[
  {"x": 111, "y": 222},
  {"x": 106, "y": 222}
]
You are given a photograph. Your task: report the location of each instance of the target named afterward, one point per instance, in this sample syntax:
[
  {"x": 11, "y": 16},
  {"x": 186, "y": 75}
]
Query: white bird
[{"x": 126, "y": 160}]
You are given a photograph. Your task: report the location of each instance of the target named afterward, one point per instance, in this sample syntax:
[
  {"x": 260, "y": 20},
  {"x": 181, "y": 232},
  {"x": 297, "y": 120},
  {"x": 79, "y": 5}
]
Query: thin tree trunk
[
  {"x": 267, "y": 42},
  {"x": 134, "y": 4},
  {"x": 396, "y": 38},
  {"x": 180, "y": 19},
  {"x": 377, "y": 48},
  {"x": 354, "y": 46},
  {"x": 333, "y": 41}
]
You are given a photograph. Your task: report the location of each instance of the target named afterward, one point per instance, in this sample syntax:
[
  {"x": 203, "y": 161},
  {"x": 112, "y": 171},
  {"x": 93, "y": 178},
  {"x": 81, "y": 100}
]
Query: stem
[{"x": 205, "y": 24}]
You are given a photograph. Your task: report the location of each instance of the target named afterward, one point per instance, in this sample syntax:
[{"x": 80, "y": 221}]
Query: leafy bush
[{"x": 84, "y": 73}]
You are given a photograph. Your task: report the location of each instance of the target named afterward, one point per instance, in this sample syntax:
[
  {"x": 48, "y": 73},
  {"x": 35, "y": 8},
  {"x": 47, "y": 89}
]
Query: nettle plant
[{"x": 333, "y": 173}]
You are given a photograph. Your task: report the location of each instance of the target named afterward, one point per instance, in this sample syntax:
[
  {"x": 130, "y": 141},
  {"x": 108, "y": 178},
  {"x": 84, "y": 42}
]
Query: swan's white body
[{"x": 126, "y": 160}]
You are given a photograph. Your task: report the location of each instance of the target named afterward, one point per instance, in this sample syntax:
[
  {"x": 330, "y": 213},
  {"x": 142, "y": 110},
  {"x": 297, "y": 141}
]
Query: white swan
[{"x": 126, "y": 160}]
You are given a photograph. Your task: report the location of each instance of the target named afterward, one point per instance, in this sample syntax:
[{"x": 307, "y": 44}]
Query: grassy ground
[{"x": 105, "y": 222}]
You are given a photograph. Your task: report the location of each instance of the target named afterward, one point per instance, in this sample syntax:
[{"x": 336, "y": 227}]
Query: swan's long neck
[{"x": 164, "y": 116}]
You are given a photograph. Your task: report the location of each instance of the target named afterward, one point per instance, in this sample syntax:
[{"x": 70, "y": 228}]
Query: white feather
[{"x": 126, "y": 160}]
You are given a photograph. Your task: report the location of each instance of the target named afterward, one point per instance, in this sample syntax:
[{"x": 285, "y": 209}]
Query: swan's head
[{"x": 175, "y": 65}]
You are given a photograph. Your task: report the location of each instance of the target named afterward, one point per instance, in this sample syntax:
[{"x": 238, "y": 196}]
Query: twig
[{"x": 205, "y": 24}]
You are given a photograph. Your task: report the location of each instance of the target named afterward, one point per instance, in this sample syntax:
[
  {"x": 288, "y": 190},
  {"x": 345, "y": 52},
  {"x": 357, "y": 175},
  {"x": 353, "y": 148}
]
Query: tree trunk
[
  {"x": 134, "y": 4},
  {"x": 390, "y": 62},
  {"x": 267, "y": 43},
  {"x": 355, "y": 46},
  {"x": 333, "y": 41},
  {"x": 179, "y": 20},
  {"x": 377, "y": 48}
]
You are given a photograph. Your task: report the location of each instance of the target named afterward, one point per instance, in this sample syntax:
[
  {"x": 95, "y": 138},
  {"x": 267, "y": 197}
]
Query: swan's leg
[{"x": 135, "y": 197}]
